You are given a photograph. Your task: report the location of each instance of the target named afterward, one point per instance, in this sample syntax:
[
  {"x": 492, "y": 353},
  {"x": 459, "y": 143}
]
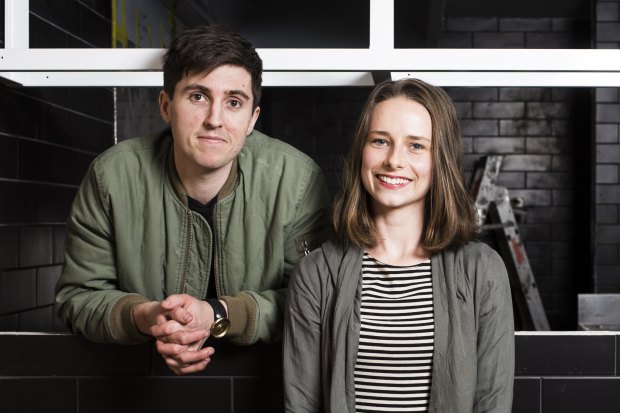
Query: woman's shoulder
[
  {"x": 476, "y": 258},
  {"x": 476, "y": 250},
  {"x": 328, "y": 252},
  {"x": 332, "y": 258},
  {"x": 484, "y": 261}
]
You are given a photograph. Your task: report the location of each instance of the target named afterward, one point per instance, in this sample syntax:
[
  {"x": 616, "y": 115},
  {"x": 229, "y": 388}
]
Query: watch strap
[{"x": 218, "y": 308}]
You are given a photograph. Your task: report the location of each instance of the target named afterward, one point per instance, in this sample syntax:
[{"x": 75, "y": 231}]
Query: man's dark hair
[{"x": 205, "y": 48}]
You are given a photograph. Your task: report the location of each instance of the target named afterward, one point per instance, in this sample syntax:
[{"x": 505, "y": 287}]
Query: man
[{"x": 192, "y": 232}]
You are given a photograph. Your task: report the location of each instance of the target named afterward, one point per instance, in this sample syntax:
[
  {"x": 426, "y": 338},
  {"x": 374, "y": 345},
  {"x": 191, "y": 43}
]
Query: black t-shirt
[{"x": 206, "y": 210}]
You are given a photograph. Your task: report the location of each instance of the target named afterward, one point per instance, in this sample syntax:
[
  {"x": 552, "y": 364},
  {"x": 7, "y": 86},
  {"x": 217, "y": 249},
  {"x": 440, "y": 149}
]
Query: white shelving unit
[{"x": 315, "y": 67}]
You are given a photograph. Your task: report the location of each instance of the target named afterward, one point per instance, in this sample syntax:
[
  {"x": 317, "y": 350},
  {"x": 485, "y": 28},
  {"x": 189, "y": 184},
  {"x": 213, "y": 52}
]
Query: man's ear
[
  {"x": 164, "y": 106},
  {"x": 253, "y": 120}
]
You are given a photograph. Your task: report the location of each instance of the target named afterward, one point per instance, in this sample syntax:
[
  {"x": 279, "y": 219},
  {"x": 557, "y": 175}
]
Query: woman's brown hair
[{"x": 449, "y": 215}]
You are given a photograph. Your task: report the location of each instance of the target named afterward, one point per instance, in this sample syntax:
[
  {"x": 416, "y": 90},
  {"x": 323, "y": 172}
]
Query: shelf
[{"x": 315, "y": 67}]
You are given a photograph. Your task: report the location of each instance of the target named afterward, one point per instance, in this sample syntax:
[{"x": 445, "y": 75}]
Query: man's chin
[{"x": 214, "y": 165}]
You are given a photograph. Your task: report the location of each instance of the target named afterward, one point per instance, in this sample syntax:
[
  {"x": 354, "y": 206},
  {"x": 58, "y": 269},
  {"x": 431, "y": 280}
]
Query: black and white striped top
[{"x": 394, "y": 362}]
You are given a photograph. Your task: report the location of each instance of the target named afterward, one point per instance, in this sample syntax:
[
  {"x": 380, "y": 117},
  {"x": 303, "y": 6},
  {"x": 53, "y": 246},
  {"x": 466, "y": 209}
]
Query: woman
[{"x": 402, "y": 311}]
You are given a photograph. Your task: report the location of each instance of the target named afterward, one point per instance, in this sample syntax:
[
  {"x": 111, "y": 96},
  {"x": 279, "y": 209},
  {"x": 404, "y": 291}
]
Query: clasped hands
[{"x": 180, "y": 325}]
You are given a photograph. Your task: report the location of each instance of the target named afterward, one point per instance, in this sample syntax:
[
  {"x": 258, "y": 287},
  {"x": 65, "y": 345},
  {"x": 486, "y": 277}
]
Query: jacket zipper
[{"x": 188, "y": 241}]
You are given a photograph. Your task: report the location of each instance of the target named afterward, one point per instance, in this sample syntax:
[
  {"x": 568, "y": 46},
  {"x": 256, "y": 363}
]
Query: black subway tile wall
[
  {"x": 555, "y": 373},
  {"x": 607, "y": 159},
  {"x": 38, "y": 319},
  {"x": 48, "y": 137},
  {"x": 9, "y": 322},
  {"x": 70, "y": 356},
  {"x": 18, "y": 290},
  {"x": 8, "y": 246}
]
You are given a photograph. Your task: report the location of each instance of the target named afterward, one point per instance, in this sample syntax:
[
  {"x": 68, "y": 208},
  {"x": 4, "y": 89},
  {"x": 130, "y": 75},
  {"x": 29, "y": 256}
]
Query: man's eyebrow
[
  {"x": 195, "y": 87},
  {"x": 238, "y": 92},
  {"x": 200, "y": 88}
]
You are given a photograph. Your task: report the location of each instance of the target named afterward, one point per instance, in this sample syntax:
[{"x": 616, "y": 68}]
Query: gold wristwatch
[{"x": 221, "y": 323}]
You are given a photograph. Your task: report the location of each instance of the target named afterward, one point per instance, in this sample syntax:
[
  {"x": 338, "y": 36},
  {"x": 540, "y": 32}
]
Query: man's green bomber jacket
[{"x": 131, "y": 237}]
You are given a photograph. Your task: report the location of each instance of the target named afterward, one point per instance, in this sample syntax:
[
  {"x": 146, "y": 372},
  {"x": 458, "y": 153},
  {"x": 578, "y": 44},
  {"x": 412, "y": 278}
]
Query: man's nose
[{"x": 213, "y": 117}]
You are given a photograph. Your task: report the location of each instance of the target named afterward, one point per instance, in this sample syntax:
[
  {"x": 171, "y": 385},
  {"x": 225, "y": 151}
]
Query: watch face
[{"x": 219, "y": 328}]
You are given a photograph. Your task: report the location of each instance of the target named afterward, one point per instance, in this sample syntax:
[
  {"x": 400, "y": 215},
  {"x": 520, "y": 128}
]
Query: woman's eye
[
  {"x": 417, "y": 146},
  {"x": 379, "y": 141}
]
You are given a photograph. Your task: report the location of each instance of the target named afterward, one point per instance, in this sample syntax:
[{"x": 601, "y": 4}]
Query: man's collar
[{"x": 231, "y": 181}]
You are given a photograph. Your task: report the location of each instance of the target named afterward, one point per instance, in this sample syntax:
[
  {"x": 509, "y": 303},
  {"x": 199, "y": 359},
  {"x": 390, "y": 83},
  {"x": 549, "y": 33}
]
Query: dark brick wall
[
  {"x": 48, "y": 137},
  {"x": 607, "y": 159},
  {"x": 536, "y": 129},
  {"x": 507, "y": 33},
  {"x": 65, "y": 373},
  {"x": 544, "y": 134}
]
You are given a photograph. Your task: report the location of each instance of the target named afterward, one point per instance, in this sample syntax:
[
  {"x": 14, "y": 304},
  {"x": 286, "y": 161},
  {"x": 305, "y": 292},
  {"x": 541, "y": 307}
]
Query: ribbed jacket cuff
[
  {"x": 242, "y": 312},
  {"x": 122, "y": 327}
]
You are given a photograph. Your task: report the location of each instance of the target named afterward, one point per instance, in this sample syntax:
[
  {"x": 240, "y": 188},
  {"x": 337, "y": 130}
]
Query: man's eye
[
  {"x": 197, "y": 97},
  {"x": 235, "y": 103}
]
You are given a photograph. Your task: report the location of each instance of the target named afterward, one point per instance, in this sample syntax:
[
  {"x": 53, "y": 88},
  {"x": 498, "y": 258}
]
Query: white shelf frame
[{"x": 315, "y": 67}]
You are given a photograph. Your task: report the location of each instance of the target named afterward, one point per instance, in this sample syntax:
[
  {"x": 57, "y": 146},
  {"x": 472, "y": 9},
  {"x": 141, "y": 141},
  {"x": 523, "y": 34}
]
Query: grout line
[
  {"x": 92, "y": 10},
  {"x": 540, "y": 393},
  {"x": 29, "y": 181},
  {"x": 232, "y": 395},
  {"x": 43, "y": 141},
  {"x": 77, "y": 395}
]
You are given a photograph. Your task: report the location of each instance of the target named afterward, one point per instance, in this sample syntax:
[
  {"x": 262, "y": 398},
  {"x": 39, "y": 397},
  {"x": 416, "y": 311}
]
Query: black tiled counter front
[
  {"x": 66, "y": 373},
  {"x": 555, "y": 372},
  {"x": 566, "y": 372},
  {"x": 554, "y": 354}
]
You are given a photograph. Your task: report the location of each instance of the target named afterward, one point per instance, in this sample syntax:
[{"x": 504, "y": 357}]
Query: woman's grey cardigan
[{"x": 473, "y": 362}]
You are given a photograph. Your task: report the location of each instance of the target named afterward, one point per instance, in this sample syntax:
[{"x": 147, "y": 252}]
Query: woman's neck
[{"x": 399, "y": 238}]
